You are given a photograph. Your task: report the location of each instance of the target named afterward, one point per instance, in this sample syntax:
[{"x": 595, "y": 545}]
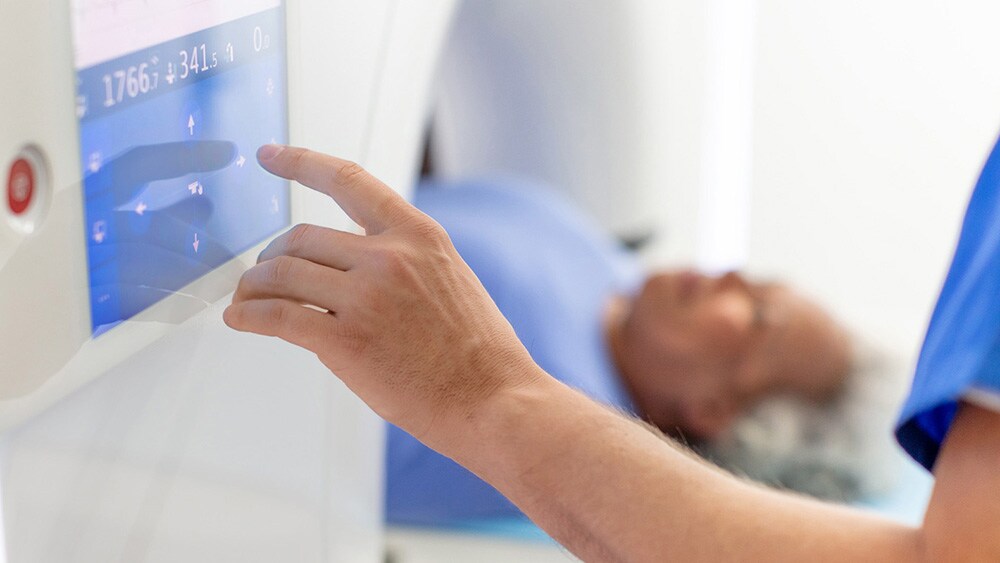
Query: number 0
[{"x": 258, "y": 39}]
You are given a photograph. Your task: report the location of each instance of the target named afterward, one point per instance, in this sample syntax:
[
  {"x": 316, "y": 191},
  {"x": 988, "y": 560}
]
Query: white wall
[
  {"x": 832, "y": 144},
  {"x": 871, "y": 121},
  {"x": 868, "y": 122}
]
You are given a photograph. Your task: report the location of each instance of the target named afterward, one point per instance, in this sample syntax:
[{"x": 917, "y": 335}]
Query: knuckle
[
  {"x": 435, "y": 233},
  {"x": 299, "y": 237},
  {"x": 425, "y": 227},
  {"x": 428, "y": 232},
  {"x": 390, "y": 211},
  {"x": 275, "y": 314},
  {"x": 279, "y": 271},
  {"x": 295, "y": 157},
  {"x": 392, "y": 261},
  {"x": 350, "y": 172}
]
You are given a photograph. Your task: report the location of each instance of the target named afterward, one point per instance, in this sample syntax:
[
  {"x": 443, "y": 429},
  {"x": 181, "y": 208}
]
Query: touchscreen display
[{"x": 174, "y": 98}]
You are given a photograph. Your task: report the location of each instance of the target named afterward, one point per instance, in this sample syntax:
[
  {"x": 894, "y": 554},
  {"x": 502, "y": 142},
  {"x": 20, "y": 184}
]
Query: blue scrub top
[
  {"x": 961, "y": 353},
  {"x": 550, "y": 271}
]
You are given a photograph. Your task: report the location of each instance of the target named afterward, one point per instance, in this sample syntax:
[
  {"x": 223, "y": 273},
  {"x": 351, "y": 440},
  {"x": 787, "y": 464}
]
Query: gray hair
[{"x": 842, "y": 450}]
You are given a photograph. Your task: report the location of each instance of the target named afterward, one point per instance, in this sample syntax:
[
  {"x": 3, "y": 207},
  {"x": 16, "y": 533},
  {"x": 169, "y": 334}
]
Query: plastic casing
[{"x": 172, "y": 438}]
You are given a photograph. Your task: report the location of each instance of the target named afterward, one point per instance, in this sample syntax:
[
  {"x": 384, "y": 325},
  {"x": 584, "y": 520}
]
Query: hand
[{"x": 396, "y": 314}]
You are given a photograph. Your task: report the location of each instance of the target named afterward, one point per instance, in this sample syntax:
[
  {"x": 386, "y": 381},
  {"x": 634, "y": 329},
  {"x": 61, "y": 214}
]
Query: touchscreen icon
[
  {"x": 100, "y": 231},
  {"x": 95, "y": 162}
]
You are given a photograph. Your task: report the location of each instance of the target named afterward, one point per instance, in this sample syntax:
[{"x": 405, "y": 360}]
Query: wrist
[
  {"x": 477, "y": 400},
  {"x": 519, "y": 428}
]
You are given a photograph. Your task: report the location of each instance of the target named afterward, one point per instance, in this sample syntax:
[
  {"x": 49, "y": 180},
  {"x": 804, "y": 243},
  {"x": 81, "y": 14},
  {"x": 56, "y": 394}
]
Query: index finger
[{"x": 370, "y": 203}]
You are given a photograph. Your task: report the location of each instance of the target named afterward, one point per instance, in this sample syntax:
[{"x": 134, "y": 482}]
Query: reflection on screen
[{"x": 168, "y": 136}]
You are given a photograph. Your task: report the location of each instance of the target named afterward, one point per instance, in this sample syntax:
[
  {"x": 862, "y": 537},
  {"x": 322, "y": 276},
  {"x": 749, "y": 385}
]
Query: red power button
[{"x": 20, "y": 186}]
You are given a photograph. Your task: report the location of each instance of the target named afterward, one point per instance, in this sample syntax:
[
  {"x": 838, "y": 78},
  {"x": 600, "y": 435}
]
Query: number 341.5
[{"x": 197, "y": 60}]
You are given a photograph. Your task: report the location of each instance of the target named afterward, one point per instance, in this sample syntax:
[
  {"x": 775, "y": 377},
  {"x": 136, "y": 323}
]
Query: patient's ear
[{"x": 709, "y": 418}]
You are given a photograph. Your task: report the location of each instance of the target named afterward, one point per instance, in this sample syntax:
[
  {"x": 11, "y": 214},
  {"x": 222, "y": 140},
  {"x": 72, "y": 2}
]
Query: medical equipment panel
[
  {"x": 135, "y": 425},
  {"x": 168, "y": 134}
]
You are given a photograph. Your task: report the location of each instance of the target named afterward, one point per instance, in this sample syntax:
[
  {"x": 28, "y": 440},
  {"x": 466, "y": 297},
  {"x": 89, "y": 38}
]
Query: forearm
[
  {"x": 405, "y": 324},
  {"x": 609, "y": 488}
]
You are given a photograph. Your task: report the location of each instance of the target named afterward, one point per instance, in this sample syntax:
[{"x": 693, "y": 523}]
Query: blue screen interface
[{"x": 169, "y": 133}]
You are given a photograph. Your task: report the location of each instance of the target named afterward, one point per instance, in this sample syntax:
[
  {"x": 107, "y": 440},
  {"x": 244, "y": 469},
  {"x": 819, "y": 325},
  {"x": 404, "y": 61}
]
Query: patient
[{"x": 695, "y": 355}]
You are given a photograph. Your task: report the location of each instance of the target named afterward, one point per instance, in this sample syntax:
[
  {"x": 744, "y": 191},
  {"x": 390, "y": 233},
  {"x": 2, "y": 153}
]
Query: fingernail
[{"x": 268, "y": 152}]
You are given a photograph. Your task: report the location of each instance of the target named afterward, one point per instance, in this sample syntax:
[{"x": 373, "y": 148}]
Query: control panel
[{"x": 132, "y": 196}]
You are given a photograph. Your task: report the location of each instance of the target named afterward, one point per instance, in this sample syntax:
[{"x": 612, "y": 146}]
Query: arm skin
[
  {"x": 612, "y": 489},
  {"x": 406, "y": 325}
]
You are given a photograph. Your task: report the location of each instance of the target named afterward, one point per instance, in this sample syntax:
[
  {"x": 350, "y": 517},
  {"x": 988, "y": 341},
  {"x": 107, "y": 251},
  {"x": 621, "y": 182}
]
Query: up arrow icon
[{"x": 191, "y": 124}]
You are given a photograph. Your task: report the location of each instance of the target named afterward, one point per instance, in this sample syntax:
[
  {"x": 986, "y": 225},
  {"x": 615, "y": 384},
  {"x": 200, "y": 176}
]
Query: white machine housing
[{"x": 172, "y": 438}]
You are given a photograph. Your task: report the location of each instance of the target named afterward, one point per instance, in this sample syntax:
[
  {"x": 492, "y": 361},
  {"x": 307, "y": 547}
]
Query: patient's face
[{"x": 703, "y": 349}]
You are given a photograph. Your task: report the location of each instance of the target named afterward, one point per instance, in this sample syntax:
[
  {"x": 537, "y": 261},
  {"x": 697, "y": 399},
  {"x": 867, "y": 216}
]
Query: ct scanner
[{"x": 136, "y": 426}]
